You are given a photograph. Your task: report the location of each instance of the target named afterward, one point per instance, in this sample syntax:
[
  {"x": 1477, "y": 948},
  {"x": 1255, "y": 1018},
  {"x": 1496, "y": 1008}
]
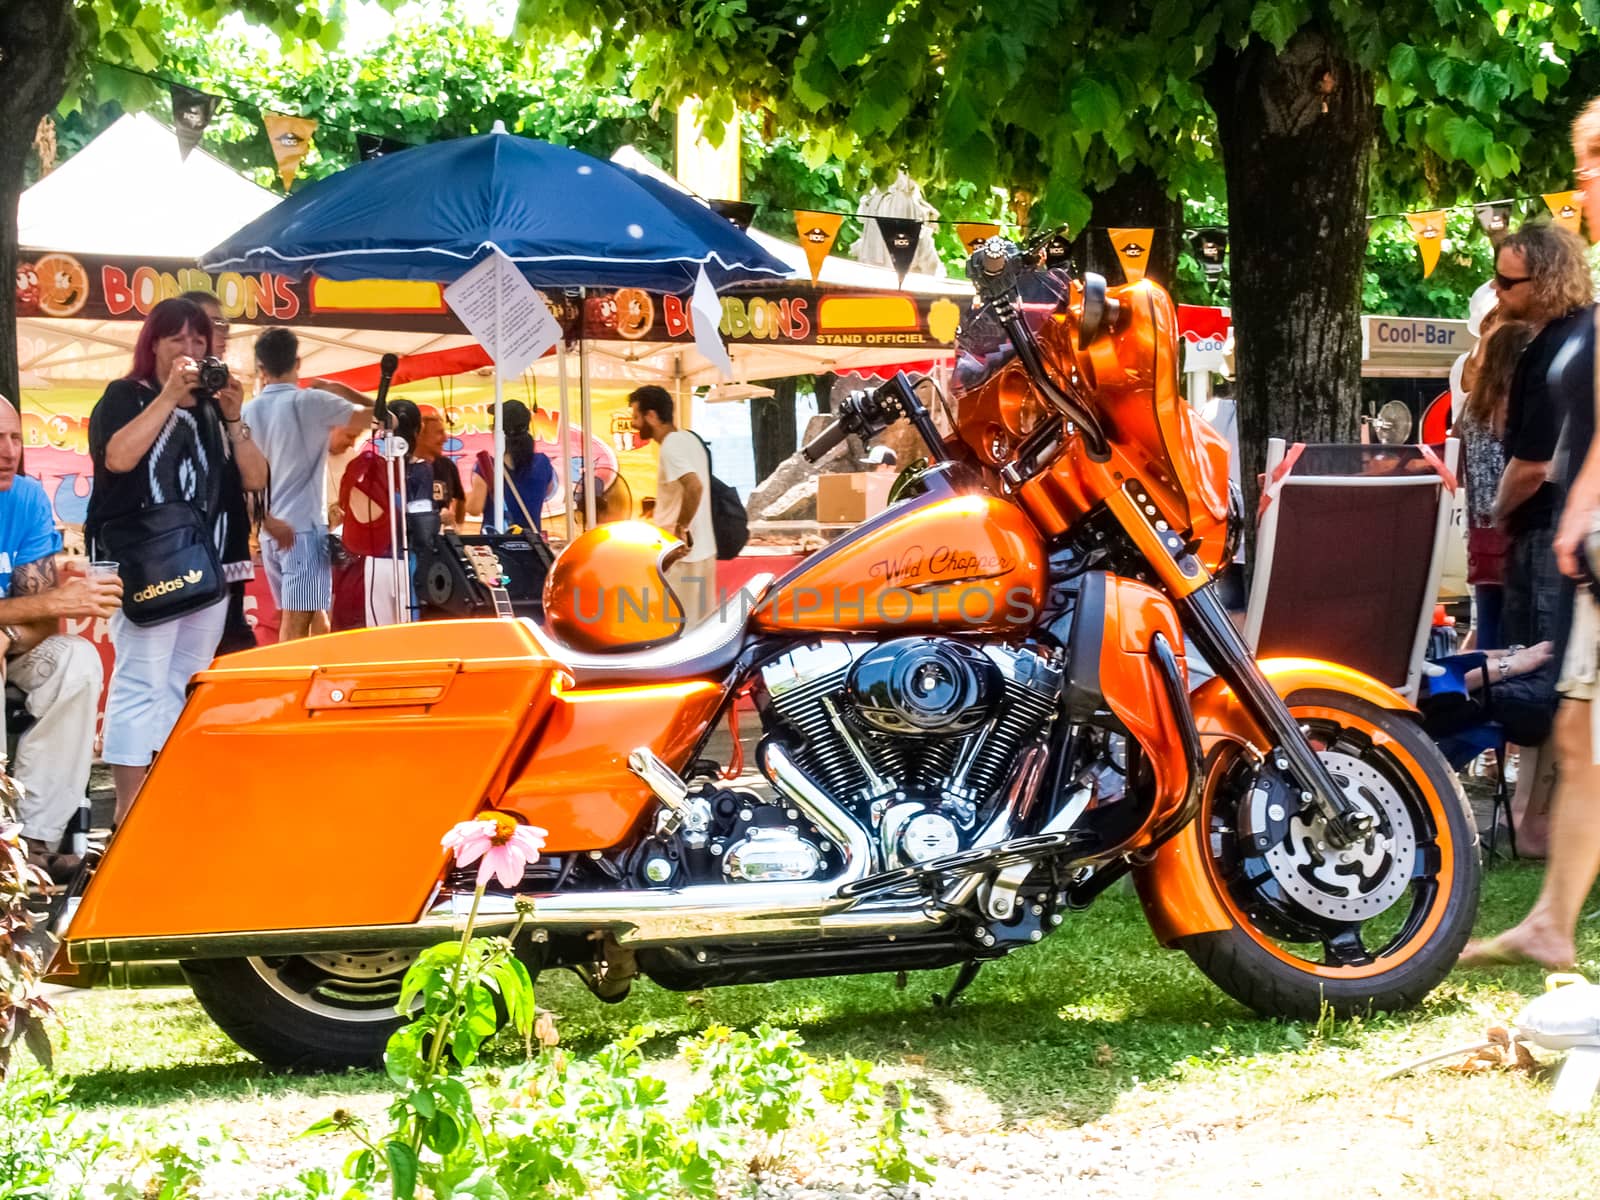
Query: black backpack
[{"x": 729, "y": 520}]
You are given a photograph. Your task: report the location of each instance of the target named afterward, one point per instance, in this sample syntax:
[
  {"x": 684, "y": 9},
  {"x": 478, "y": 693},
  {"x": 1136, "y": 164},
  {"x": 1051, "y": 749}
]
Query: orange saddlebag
[{"x": 307, "y": 784}]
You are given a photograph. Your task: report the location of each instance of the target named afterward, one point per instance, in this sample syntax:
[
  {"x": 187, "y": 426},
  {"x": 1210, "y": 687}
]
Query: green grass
[{"x": 1096, "y": 1024}]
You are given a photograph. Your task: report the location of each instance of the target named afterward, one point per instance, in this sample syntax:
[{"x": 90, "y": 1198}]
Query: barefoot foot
[{"x": 1518, "y": 947}]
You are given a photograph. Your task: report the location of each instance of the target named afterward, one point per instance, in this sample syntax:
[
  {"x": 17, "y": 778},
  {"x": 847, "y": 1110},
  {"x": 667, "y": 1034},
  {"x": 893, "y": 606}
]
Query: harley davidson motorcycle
[{"x": 978, "y": 709}]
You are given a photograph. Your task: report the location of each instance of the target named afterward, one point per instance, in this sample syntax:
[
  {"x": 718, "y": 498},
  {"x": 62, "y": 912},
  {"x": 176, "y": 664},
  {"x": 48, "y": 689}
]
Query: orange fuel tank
[{"x": 951, "y": 564}]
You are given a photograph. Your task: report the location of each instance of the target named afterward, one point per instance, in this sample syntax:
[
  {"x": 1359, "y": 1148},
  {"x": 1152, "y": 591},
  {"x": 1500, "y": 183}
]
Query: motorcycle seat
[{"x": 706, "y": 651}]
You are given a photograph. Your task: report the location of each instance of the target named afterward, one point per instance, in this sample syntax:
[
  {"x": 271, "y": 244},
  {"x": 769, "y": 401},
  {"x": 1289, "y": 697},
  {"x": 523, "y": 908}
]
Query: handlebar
[
  {"x": 870, "y": 413},
  {"x": 825, "y": 441}
]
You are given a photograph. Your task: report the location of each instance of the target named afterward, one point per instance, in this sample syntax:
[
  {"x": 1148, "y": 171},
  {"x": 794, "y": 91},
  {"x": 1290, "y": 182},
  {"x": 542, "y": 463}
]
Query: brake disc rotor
[{"x": 1353, "y": 883}]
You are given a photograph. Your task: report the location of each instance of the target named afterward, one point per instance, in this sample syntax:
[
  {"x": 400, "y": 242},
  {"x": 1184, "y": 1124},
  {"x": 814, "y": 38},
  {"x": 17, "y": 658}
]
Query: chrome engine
[{"x": 916, "y": 738}]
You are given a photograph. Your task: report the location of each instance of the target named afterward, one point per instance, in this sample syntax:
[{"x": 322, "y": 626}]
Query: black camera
[{"x": 212, "y": 376}]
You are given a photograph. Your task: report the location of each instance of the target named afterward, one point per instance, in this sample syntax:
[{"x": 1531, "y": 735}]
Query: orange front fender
[{"x": 1174, "y": 887}]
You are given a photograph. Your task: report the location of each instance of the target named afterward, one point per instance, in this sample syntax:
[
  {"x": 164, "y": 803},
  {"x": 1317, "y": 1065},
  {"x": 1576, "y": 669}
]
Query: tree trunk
[
  {"x": 1297, "y": 132},
  {"x": 36, "y": 43},
  {"x": 1138, "y": 200},
  {"x": 772, "y": 426}
]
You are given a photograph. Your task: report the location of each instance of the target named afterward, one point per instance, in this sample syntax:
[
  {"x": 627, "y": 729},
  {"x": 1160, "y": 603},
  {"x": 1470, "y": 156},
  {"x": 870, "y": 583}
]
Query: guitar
[{"x": 486, "y": 566}]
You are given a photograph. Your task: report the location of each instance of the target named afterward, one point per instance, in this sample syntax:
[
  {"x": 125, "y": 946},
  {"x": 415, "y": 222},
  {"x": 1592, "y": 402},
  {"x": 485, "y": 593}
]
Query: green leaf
[
  {"x": 1453, "y": 77},
  {"x": 1489, "y": 87},
  {"x": 1500, "y": 160},
  {"x": 1467, "y": 140},
  {"x": 1095, "y": 105},
  {"x": 403, "y": 1166},
  {"x": 1404, "y": 63},
  {"x": 1591, "y": 12},
  {"x": 1277, "y": 21}
]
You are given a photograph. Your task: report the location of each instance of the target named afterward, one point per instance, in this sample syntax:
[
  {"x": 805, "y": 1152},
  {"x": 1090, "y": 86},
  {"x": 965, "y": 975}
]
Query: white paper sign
[
  {"x": 707, "y": 310},
  {"x": 522, "y": 330}
]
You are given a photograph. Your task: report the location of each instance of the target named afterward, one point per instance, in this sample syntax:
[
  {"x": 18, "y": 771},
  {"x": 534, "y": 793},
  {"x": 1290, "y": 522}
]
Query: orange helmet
[{"x": 608, "y": 589}]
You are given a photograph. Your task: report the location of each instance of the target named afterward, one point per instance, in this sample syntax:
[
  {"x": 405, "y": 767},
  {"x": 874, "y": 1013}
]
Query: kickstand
[{"x": 964, "y": 977}]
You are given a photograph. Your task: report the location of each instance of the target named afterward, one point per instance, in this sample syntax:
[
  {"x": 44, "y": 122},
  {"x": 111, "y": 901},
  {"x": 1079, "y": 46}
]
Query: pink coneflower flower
[{"x": 504, "y": 844}]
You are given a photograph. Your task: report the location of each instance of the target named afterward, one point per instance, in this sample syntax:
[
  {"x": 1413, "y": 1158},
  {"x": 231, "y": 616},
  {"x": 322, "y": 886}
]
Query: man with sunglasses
[{"x": 1541, "y": 276}]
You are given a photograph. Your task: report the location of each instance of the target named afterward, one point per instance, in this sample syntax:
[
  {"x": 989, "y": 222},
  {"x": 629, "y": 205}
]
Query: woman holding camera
[{"x": 171, "y": 457}]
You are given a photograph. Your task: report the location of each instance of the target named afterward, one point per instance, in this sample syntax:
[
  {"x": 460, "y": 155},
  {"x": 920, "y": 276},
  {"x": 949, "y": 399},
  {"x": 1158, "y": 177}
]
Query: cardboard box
[{"x": 848, "y": 499}]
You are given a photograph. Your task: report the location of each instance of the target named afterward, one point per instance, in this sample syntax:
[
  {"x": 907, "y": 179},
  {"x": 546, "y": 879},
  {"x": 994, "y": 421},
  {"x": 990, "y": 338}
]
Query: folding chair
[
  {"x": 1463, "y": 746},
  {"x": 1349, "y": 549}
]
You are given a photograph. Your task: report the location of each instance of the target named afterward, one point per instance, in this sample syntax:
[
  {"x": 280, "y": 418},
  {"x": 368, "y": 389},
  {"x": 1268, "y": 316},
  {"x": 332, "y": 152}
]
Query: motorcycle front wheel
[
  {"x": 308, "y": 1012},
  {"x": 1368, "y": 928}
]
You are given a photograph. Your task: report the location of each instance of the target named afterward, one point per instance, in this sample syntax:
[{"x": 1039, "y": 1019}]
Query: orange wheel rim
[{"x": 1432, "y": 873}]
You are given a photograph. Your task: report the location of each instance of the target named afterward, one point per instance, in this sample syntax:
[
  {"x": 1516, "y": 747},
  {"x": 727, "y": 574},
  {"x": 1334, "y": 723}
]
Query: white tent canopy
[{"x": 130, "y": 192}]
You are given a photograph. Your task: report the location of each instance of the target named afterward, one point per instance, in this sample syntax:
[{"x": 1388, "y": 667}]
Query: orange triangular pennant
[
  {"x": 1133, "y": 250},
  {"x": 291, "y": 142},
  {"x": 1567, "y": 209},
  {"x": 973, "y": 233},
  {"x": 1429, "y": 230},
  {"x": 818, "y": 231}
]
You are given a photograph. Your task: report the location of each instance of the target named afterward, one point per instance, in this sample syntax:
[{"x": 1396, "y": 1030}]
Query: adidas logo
[{"x": 167, "y": 586}]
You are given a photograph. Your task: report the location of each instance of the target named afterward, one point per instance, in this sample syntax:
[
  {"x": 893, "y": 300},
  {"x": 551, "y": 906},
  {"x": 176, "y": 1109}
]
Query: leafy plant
[
  {"x": 46, "y": 1149},
  {"x": 562, "y": 1128},
  {"x": 173, "y": 1165},
  {"x": 23, "y": 1008}
]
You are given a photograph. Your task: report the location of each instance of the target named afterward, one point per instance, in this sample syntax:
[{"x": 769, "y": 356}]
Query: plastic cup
[{"x": 105, "y": 570}]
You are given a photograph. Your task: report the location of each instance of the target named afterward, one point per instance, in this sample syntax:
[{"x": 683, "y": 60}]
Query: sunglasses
[{"x": 1505, "y": 284}]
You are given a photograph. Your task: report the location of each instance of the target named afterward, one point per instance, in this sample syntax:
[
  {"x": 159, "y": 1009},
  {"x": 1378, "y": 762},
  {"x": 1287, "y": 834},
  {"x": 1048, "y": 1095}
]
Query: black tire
[
  {"x": 1255, "y": 960},
  {"x": 325, "y": 1012}
]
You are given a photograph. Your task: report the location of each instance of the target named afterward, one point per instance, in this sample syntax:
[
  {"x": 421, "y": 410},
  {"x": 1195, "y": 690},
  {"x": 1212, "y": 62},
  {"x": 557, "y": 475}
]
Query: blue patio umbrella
[
  {"x": 430, "y": 213},
  {"x": 565, "y": 219}
]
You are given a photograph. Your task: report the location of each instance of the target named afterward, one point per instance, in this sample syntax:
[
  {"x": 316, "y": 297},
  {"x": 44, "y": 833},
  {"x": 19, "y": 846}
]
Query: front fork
[{"x": 1208, "y": 624}]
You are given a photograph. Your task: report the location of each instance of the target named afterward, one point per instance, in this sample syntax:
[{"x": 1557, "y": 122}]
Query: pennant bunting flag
[
  {"x": 1565, "y": 207},
  {"x": 818, "y": 231},
  {"x": 707, "y": 310},
  {"x": 1057, "y": 252},
  {"x": 900, "y": 235},
  {"x": 291, "y": 142},
  {"x": 1211, "y": 248},
  {"x": 740, "y": 212},
  {"x": 1133, "y": 250},
  {"x": 1494, "y": 219},
  {"x": 974, "y": 233},
  {"x": 1429, "y": 230},
  {"x": 372, "y": 145},
  {"x": 192, "y": 112}
]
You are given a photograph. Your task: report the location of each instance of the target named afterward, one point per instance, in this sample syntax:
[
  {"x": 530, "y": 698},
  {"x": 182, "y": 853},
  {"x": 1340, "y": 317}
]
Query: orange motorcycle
[{"x": 979, "y": 709}]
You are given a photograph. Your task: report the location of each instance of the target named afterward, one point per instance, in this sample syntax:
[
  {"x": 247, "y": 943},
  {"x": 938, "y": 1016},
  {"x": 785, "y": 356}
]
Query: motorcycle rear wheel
[
  {"x": 317, "y": 1012},
  {"x": 1312, "y": 929}
]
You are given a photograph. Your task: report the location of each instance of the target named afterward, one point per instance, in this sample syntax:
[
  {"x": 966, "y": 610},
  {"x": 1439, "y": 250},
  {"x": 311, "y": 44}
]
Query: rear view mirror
[{"x": 1094, "y": 309}]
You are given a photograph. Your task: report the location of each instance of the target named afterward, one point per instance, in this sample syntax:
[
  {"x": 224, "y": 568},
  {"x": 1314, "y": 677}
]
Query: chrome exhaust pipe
[
  {"x": 717, "y": 912},
  {"x": 735, "y": 912}
]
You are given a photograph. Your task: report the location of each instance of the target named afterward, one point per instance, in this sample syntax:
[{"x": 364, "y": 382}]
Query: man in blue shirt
[{"x": 61, "y": 675}]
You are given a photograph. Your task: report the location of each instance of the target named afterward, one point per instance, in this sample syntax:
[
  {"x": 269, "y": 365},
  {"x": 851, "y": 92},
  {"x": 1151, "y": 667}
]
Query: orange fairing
[
  {"x": 1211, "y": 517},
  {"x": 1176, "y": 888},
  {"x": 1134, "y": 615},
  {"x": 577, "y": 784},
  {"x": 608, "y": 589},
  {"x": 970, "y": 564},
  {"x": 307, "y": 784}
]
